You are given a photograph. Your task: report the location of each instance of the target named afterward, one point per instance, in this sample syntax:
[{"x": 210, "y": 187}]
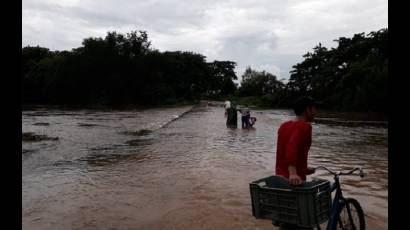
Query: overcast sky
[{"x": 269, "y": 35}]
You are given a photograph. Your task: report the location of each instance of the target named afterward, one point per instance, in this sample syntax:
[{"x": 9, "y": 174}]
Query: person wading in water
[{"x": 231, "y": 115}]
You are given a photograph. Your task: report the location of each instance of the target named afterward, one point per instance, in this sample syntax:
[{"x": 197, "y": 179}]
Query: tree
[
  {"x": 256, "y": 83},
  {"x": 352, "y": 76},
  {"x": 121, "y": 69},
  {"x": 223, "y": 74}
]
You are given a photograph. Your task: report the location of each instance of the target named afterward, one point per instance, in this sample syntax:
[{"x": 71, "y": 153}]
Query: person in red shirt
[{"x": 294, "y": 139}]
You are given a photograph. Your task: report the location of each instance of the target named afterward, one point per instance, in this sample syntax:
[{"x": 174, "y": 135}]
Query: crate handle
[{"x": 320, "y": 193}]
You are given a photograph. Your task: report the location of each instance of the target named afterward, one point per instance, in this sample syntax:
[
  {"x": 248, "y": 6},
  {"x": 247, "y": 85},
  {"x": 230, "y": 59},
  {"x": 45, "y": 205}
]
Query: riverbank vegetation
[{"x": 124, "y": 69}]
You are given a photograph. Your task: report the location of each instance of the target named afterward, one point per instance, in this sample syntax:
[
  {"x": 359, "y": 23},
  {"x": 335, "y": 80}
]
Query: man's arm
[
  {"x": 293, "y": 149},
  {"x": 294, "y": 179}
]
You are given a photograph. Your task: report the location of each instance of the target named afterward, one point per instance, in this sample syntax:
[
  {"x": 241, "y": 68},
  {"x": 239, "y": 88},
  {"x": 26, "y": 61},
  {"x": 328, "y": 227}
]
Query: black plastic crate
[{"x": 306, "y": 205}]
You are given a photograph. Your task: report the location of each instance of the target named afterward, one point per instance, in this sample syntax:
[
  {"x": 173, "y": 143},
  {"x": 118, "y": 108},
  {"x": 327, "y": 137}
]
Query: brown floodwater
[{"x": 189, "y": 173}]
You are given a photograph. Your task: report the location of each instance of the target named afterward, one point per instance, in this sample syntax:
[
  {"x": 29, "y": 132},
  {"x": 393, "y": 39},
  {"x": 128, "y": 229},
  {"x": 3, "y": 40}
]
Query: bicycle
[
  {"x": 307, "y": 205},
  {"x": 346, "y": 213}
]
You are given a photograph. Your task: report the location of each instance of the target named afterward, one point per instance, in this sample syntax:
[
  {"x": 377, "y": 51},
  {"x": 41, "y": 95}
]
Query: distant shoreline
[
  {"x": 370, "y": 117},
  {"x": 323, "y": 115}
]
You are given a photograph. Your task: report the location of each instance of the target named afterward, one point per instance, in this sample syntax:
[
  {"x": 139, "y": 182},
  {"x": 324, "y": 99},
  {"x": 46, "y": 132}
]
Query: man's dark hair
[{"x": 300, "y": 104}]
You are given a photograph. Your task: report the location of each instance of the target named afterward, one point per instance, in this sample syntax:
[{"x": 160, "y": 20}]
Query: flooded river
[{"x": 188, "y": 173}]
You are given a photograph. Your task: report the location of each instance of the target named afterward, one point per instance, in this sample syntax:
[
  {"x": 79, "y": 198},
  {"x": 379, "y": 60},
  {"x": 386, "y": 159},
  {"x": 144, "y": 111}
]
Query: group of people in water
[{"x": 232, "y": 118}]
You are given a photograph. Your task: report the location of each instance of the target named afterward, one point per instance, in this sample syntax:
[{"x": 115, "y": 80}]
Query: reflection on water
[{"x": 193, "y": 173}]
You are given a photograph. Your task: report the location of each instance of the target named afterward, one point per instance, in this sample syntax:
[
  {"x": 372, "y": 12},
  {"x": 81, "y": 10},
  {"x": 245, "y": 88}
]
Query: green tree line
[
  {"x": 121, "y": 69},
  {"x": 351, "y": 77},
  {"x": 125, "y": 69}
]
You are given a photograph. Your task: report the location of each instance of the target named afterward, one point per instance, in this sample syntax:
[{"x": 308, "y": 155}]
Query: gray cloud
[{"x": 269, "y": 35}]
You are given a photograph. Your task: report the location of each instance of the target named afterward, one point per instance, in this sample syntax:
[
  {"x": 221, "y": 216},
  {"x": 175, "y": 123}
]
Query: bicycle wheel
[{"x": 351, "y": 216}]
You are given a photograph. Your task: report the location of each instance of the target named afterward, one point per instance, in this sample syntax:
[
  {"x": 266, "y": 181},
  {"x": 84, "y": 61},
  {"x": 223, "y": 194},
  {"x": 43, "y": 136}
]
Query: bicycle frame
[
  {"x": 338, "y": 200},
  {"x": 337, "y": 204},
  {"x": 335, "y": 186}
]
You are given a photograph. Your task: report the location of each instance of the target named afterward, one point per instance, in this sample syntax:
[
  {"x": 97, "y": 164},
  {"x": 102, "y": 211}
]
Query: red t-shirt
[{"x": 294, "y": 139}]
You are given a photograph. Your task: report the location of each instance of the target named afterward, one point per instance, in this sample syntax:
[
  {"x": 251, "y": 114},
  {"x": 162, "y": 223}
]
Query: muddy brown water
[{"x": 193, "y": 173}]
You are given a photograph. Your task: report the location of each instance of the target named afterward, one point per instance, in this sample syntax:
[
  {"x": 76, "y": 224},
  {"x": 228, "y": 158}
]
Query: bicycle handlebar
[{"x": 361, "y": 173}]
